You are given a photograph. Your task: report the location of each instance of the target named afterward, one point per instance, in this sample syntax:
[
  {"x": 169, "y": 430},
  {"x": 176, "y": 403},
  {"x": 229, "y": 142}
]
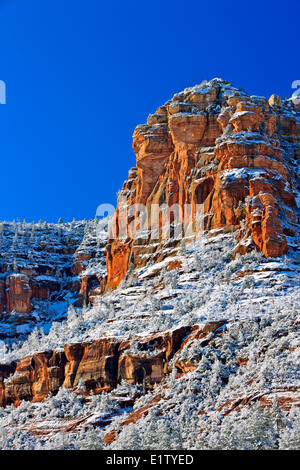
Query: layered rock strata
[
  {"x": 225, "y": 159},
  {"x": 96, "y": 365},
  {"x": 44, "y": 267}
]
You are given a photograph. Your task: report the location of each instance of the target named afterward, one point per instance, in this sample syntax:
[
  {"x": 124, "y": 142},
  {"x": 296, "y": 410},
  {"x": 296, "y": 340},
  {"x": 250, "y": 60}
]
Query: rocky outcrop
[
  {"x": 42, "y": 265},
  {"x": 287, "y": 398},
  {"x": 19, "y": 293},
  {"x": 215, "y": 149},
  {"x": 36, "y": 262},
  {"x": 90, "y": 261},
  {"x": 96, "y": 365}
]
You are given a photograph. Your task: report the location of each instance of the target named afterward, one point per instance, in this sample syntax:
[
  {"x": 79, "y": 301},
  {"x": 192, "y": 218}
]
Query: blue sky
[{"x": 80, "y": 76}]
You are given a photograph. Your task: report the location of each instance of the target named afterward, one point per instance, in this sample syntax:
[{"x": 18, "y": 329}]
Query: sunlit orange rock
[
  {"x": 215, "y": 146},
  {"x": 19, "y": 293},
  {"x": 99, "y": 365}
]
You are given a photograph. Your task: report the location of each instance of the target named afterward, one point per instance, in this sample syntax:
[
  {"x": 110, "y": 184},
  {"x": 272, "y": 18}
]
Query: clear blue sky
[{"x": 81, "y": 75}]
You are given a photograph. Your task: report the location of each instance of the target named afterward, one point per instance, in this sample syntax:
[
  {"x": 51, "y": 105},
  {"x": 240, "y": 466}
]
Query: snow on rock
[{"x": 197, "y": 345}]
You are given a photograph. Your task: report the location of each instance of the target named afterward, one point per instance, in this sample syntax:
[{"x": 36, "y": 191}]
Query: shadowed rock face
[
  {"x": 19, "y": 293},
  {"x": 37, "y": 263},
  {"x": 46, "y": 264},
  {"x": 217, "y": 146}
]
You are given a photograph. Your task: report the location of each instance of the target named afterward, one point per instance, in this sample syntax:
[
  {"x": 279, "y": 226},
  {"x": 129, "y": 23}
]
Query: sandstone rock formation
[
  {"x": 46, "y": 264},
  {"x": 215, "y": 336},
  {"x": 19, "y": 293},
  {"x": 211, "y": 145},
  {"x": 99, "y": 365}
]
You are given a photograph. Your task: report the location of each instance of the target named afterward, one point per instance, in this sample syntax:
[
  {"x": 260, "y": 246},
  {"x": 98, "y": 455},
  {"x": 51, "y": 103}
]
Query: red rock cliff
[
  {"x": 98, "y": 364},
  {"x": 211, "y": 145}
]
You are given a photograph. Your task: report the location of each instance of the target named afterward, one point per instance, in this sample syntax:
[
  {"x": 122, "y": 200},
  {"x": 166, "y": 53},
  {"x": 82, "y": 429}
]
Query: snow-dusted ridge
[{"x": 232, "y": 381}]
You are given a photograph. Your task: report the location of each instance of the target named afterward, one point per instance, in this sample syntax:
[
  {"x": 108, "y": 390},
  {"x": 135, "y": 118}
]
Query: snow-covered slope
[
  {"x": 211, "y": 393},
  {"x": 165, "y": 343}
]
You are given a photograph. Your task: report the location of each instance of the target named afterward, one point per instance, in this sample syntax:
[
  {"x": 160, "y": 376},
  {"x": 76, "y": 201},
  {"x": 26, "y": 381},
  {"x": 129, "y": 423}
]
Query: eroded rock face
[
  {"x": 98, "y": 365},
  {"x": 215, "y": 146},
  {"x": 19, "y": 293},
  {"x": 95, "y": 363},
  {"x": 154, "y": 354},
  {"x": 36, "y": 263},
  {"x": 42, "y": 265}
]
